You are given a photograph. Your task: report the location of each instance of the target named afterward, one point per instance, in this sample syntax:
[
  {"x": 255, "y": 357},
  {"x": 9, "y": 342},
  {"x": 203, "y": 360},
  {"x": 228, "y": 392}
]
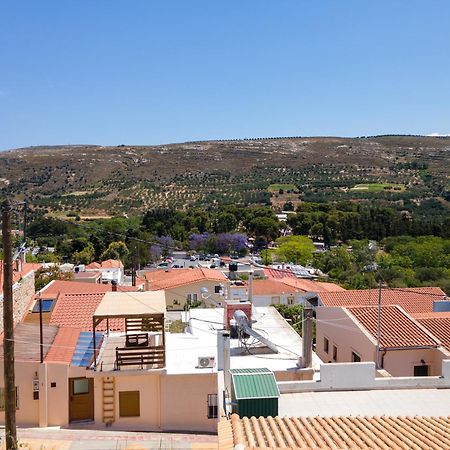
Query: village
[{"x": 197, "y": 349}]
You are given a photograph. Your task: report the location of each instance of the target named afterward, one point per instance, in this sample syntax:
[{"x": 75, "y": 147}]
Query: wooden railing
[{"x": 140, "y": 356}]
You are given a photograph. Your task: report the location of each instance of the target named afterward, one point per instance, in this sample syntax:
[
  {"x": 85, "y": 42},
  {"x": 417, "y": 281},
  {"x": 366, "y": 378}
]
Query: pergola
[{"x": 143, "y": 313}]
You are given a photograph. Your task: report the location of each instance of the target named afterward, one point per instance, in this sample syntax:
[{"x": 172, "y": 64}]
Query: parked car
[{"x": 193, "y": 258}]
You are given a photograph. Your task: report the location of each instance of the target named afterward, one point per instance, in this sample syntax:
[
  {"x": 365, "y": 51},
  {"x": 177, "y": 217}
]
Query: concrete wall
[
  {"x": 342, "y": 332},
  {"x": 269, "y": 300},
  {"x": 167, "y": 402},
  {"x": 184, "y": 402}
]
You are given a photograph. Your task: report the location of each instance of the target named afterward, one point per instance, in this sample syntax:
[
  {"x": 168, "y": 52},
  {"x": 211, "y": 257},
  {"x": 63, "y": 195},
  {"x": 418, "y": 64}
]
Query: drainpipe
[
  {"x": 307, "y": 335},
  {"x": 250, "y": 286}
]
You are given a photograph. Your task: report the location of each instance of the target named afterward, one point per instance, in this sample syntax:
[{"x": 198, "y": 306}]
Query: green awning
[{"x": 254, "y": 383}]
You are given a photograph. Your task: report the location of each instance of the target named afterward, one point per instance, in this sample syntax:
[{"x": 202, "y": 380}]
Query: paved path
[{"x": 54, "y": 438}]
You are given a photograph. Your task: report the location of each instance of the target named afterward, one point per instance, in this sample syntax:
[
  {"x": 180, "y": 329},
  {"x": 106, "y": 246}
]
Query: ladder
[{"x": 109, "y": 400}]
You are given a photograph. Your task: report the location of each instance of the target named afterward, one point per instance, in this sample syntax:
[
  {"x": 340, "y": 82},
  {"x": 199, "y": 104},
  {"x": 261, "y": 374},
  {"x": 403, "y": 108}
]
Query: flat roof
[
  {"x": 184, "y": 349},
  {"x": 120, "y": 304},
  {"x": 397, "y": 402}
]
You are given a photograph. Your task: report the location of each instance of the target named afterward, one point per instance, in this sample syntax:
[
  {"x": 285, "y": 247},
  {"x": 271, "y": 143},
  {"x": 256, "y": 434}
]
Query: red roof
[
  {"x": 76, "y": 311},
  {"x": 438, "y": 324},
  {"x": 397, "y": 328},
  {"x": 25, "y": 269},
  {"x": 63, "y": 346},
  {"x": 167, "y": 279},
  {"x": 108, "y": 264},
  {"x": 311, "y": 286},
  {"x": 278, "y": 273},
  {"x": 271, "y": 287},
  {"x": 412, "y": 300}
]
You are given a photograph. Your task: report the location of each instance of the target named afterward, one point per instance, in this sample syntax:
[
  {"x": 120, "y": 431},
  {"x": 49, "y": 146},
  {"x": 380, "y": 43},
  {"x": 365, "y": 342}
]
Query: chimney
[
  {"x": 307, "y": 334},
  {"x": 250, "y": 286},
  {"x": 114, "y": 285},
  {"x": 223, "y": 359},
  {"x": 18, "y": 265}
]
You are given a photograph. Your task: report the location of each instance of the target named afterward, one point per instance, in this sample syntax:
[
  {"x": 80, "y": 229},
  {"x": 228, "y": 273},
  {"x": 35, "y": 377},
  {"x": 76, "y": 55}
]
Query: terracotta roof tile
[
  {"x": 271, "y": 287},
  {"x": 311, "y": 286},
  {"x": 397, "y": 329},
  {"x": 386, "y": 432},
  {"x": 438, "y": 324},
  {"x": 25, "y": 269},
  {"x": 269, "y": 272},
  {"x": 162, "y": 279},
  {"x": 63, "y": 346},
  {"x": 108, "y": 264},
  {"x": 412, "y": 300},
  {"x": 76, "y": 311}
]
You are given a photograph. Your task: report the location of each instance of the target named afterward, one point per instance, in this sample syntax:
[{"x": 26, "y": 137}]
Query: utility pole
[
  {"x": 8, "y": 330},
  {"x": 133, "y": 267},
  {"x": 378, "y": 326},
  {"x": 307, "y": 335}
]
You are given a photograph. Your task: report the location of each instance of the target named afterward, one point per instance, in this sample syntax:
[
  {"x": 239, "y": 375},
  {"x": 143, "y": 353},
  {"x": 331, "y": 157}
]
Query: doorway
[{"x": 81, "y": 399}]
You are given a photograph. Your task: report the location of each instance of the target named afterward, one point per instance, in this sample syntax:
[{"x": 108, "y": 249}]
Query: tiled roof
[
  {"x": 360, "y": 432},
  {"x": 63, "y": 346},
  {"x": 412, "y": 300},
  {"x": 167, "y": 279},
  {"x": 269, "y": 272},
  {"x": 27, "y": 343},
  {"x": 56, "y": 287},
  {"x": 76, "y": 311},
  {"x": 311, "y": 286},
  {"x": 90, "y": 274},
  {"x": 397, "y": 329},
  {"x": 25, "y": 269},
  {"x": 94, "y": 265},
  {"x": 438, "y": 324},
  {"x": 108, "y": 264},
  {"x": 271, "y": 287}
]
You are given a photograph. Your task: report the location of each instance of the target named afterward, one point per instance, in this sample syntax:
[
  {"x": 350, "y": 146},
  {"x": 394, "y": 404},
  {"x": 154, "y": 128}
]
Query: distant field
[
  {"x": 378, "y": 187},
  {"x": 285, "y": 187}
]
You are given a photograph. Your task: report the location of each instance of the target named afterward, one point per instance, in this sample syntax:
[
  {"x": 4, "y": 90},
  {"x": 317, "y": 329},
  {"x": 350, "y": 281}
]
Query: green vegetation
[
  {"x": 294, "y": 249},
  {"x": 277, "y": 187}
]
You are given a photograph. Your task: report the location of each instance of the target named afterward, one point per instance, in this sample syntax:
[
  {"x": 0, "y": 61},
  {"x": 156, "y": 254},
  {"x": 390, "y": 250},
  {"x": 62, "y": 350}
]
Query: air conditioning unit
[{"x": 206, "y": 361}]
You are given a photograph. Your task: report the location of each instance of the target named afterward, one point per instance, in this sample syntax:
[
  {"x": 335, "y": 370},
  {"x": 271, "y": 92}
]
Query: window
[
  {"x": 276, "y": 300},
  {"x": 212, "y": 406},
  {"x": 80, "y": 386},
  {"x": 356, "y": 357},
  {"x": 129, "y": 404},
  {"x": 421, "y": 371},
  {"x": 290, "y": 300},
  {"x": 326, "y": 345},
  {"x": 2, "y": 398},
  {"x": 217, "y": 289},
  {"x": 47, "y": 305},
  {"x": 191, "y": 297},
  {"x": 335, "y": 355},
  {"x": 176, "y": 302}
]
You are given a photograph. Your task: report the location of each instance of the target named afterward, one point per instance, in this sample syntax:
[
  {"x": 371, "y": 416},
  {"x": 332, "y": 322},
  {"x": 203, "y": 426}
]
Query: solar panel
[{"x": 84, "y": 350}]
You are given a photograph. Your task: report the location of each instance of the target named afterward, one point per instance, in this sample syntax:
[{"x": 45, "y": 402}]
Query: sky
[{"x": 143, "y": 72}]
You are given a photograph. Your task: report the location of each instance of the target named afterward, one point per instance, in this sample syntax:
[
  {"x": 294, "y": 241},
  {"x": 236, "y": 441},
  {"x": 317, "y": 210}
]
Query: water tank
[{"x": 441, "y": 306}]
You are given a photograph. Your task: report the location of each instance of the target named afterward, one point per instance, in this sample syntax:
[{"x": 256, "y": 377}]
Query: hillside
[{"x": 91, "y": 180}]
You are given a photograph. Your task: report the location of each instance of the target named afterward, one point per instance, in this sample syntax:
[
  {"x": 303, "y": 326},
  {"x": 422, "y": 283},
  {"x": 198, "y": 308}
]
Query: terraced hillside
[{"x": 92, "y": 180}]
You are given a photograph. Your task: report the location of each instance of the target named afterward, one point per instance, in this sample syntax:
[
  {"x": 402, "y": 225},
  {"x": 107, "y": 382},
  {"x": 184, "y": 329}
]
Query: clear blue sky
[{"x": 148, "y": 72}]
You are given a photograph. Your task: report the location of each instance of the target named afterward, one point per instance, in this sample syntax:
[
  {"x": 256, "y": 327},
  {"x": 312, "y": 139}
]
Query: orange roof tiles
[
  {"x": 25, "y": 269},
  {"x": 438, "y": 324},
  {"x": 108, "y": 264},
  {"x": 360, "y": 432},
  {"x": 397, "y": 329},
  {"x": 311, "y": 286},
  {"x": 269, "y": 272},
  {"x": 76, "y": 311},
  {"x": 63, "y": 346},
  {"x": 412, "y": 300},
  {"x": 167, "y": 279},
  {"x": 271, "y": 287}
]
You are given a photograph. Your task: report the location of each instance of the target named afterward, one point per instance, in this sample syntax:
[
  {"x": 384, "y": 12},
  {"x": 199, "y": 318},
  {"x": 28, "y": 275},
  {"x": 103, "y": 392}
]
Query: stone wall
[{"x": 23, "y": 293}]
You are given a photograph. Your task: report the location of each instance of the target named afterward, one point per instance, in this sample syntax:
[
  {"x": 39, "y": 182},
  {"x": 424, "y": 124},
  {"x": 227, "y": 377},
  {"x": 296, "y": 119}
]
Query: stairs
[{"x": 109, "y": 400}]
